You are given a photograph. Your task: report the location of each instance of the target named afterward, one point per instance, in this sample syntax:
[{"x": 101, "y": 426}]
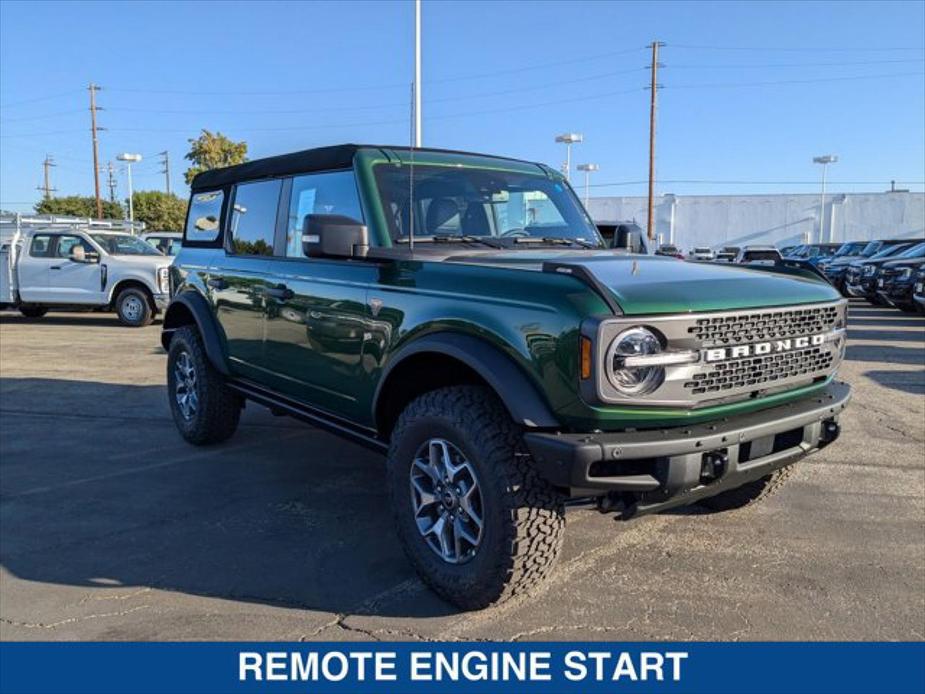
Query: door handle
[
  {"x": 280, "y": 291},
  {"x": 55, "y": 267},
  {"x": 217, "y": 283}
]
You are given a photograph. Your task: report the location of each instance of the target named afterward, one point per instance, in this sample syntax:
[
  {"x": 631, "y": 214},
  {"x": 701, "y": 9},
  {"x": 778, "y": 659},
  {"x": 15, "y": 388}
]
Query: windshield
[
  {"x": 481, "y": 203},
  {"x": 123, "y": 244},
  {"x": 850, "y": 249},
  {"x": 871, "y": 248},
  {"x": 890, "y": 251},
  {"x": 917, "y": 251}
]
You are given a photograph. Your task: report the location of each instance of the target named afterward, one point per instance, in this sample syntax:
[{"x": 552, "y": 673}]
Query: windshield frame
[
  {"x": 99, "y": 238},
  {"x": 367, "y": 170}
]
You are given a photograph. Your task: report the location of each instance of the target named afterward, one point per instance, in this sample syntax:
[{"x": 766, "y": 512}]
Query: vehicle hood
[
  {"x": 656, "y": 284},
  {"x": 844, "y": 261},
  {"x": 905, "y": 262},
  {"x": 139, "y": 262}
]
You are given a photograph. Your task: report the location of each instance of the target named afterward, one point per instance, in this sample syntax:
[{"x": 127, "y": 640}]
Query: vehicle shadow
[
  {"x": 109, "y": 495},
  {"x": 905, "y": 381},
  {"x": 886, "y": 353},
  {"x": 92, "y": 319}
]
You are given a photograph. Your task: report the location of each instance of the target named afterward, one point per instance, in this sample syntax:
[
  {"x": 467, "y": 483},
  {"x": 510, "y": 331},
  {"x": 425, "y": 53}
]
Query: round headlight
[{"x": 634, "y": 380}]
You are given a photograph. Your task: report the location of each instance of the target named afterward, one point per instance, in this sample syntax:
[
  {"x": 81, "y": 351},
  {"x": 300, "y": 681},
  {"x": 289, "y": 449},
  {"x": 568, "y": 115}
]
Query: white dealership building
[{"x": 779, "y": 219}]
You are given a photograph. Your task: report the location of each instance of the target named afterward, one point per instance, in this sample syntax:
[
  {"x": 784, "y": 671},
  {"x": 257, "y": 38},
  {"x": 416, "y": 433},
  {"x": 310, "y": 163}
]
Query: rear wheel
[
  {"x": 33, "y": 311},
  {"x": 204, "y": 408},
  {"x": 134, "y": 308},
  {"x": 475, "y": 519},
  {"x": 749, "y": 493}
]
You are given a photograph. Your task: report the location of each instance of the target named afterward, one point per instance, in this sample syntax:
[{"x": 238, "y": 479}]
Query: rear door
[
  {"x": 32, "y": 268},
  {"x": 238, "y": 279}
]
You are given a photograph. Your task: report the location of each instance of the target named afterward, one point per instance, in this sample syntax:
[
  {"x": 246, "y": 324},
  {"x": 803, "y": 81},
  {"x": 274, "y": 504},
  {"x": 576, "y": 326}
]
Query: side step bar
[{"x": 310, "y": 415}]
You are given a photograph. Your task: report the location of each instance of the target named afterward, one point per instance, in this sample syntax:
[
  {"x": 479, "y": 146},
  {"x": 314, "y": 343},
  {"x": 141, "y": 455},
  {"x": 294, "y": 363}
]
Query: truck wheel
[
  {"x": 477, "y": 522},
  {"x": 33, "y": 311},
  {"x": 133, "y": 308},
  {"x": 204, "y": 408},
  {"x": 748, "y": 493}
]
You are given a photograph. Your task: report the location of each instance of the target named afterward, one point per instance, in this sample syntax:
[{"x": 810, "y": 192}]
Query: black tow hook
[
  {"x": 713, "y": 465},
  {"x": 830, "y": 431}
]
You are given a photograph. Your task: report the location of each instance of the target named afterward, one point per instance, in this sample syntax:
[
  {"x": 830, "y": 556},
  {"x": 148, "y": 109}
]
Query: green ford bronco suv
[{"x": 460, "y": 313}]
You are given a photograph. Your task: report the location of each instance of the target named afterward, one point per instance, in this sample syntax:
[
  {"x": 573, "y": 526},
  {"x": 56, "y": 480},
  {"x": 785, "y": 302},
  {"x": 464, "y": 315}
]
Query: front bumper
[
  {"x": 663, "y": 468},
  {"x": 161, "y": 301},
  {"x": 861, "y": 289}
]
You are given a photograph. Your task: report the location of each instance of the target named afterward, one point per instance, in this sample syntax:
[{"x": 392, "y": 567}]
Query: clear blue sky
[{"x": 751, "y": 90}]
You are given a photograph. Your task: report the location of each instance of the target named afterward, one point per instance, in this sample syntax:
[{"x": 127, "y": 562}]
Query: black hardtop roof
[{"x": 306, "y": 161}]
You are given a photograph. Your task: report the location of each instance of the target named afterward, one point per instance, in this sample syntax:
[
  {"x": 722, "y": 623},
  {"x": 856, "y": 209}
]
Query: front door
[{"x": 71, "y": 282}]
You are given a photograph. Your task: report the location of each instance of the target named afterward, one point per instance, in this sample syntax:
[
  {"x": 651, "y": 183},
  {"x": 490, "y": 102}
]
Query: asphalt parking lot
[{"x": 112, "y": 528}]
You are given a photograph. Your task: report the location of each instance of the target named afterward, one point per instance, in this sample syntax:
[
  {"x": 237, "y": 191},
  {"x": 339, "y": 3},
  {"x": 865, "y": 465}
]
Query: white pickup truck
[{"x": 42, "y": 269}]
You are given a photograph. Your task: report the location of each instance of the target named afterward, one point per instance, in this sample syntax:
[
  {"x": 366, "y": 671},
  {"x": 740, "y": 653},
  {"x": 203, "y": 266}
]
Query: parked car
[
  {"x": 896, "y": 283},
  {"x": 813, "y": 253},
  {"x": 627, "y": 236},
  {"x": 836, "y": 267},
  {"x": 918, "y": 289},
  {"x": 758, "y": 255},
  {"x": 669, "y": 249},
  {"x": 46, "y": 269},
  {"x": 702, "y": 253},
  {"x": 417, "y": 303},
  {"x": 787, "y": 250},
  {"x": 861, "y": 278},
  {"x": 167, "y": 242},
  {"x": 727, "y": 254}
]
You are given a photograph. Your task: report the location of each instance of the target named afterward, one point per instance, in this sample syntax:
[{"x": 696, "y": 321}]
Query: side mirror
[
  {"x": 334, "y": 236},
  {"x": 80, "y": 255}
]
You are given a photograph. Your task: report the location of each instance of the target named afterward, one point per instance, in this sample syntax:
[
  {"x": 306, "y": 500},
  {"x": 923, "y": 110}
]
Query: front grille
[
  {"x": 756, "y": 327},
  {"x": 761, "y": 372}
]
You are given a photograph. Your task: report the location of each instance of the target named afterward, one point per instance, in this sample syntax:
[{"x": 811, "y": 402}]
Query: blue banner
[{"x": 479, "y": 668}]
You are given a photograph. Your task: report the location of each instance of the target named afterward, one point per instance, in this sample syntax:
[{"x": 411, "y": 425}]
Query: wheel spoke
[
  {"x": 424, "y": 497},
  {"x": 439, "y": 457},
  {"x": 467, "y": 504}
]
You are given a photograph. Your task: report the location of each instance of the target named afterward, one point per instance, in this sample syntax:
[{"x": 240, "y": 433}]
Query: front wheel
[
  {"x": 133, "y": 308},
  {"x": 204, "y": 408},
  {"x": 749, "y": 493},
  {"x": 477, "y": 522}
]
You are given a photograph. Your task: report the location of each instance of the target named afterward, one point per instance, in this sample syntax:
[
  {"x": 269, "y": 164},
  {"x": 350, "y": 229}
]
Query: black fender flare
[
  {"x": 521, "y": 397},
  {"x": 213, "y": 337}
]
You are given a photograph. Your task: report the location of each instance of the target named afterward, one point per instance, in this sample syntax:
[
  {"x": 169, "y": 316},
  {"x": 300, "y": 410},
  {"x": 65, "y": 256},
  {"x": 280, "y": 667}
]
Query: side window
[
  {"x": 66, "y": 243},
  {"x": 205, "y": 216},
  {"x": 253, "y": 217},
  {"x": 322, "y": 193},
  {"x": 41, "y": 246}
]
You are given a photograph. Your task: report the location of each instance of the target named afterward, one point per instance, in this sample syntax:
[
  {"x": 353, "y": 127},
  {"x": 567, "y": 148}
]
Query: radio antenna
[{"x": 411, "y": 176}]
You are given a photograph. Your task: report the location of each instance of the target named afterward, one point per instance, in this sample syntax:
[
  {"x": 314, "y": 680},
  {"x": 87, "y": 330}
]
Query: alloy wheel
[
  {"x": 185, "y": 390},
  {"x": 446, "y": 501}
]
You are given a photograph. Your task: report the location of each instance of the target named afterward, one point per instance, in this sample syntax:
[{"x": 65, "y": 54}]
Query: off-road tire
[
  {"x": 748, "y": 493},
  {"x": 219, "y": 407},
  {"x": 523, "y": 516},
  {"x": 142, "y": 312},
  {"x": 33, "y": 311}
]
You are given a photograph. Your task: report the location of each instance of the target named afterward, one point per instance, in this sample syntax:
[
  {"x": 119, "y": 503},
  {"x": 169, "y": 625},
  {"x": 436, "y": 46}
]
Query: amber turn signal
[{"x": 585, "y": 358}]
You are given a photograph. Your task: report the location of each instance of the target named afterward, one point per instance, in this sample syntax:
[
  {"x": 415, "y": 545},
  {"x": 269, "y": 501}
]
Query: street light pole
[
  {"x": 569, "y": 139},
  {"x": 417, "y": 73},
  {"x": 130, "y": 159},
  {"x": 588, "y": 169},
  {"x": 825, "y": 160}
]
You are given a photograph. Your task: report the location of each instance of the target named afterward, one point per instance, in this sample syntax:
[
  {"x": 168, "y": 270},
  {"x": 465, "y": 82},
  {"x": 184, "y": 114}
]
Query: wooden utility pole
[
  {"x": 166, "y": 169},
  {"x": 650, "y": 229},
  {"x": 46, "y": 189},
  {"x": 96, "y": 146}
]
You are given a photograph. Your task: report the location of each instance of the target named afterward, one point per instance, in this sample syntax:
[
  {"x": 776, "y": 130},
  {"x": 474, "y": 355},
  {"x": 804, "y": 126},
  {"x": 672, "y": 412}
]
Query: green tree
[
  {"x": 78, "y": 206},
  {"x": 212, "y": 151},
  {"x": 159, "y": 211}
]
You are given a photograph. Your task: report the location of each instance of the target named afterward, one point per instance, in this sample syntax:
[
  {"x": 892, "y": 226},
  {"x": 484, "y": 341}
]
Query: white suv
[{"x": 85, "y": 268}]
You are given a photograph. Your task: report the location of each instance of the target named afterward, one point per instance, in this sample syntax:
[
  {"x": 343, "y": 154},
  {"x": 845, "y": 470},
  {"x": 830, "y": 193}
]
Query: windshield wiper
[
  {"x": 450, "y": 238},
  {"x": 555, "y": 241}
]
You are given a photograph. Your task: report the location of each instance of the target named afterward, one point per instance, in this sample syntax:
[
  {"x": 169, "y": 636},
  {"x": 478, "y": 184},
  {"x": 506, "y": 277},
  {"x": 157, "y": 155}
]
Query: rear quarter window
[{"x": 204, "y": 221}]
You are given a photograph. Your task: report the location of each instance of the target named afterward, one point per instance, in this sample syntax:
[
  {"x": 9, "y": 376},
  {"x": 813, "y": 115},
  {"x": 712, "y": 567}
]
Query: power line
[
  {"x": 708, "y": 66},
  {"x": 803, "y": 81},
  {"x": 747, "y": 182},
  {"x": 780, "y": 49},
  {"x": 40, "y": 98}
]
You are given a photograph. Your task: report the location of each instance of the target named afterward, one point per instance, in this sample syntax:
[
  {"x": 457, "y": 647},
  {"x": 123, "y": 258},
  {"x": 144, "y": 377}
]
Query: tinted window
[
  {"x": 205, "y": 216},
  {"x": 41, "y": 246},
  {"x": 761, "y": 255},
  {"x": 323, "y": 193},
  {"x": 253, "y": 217}
]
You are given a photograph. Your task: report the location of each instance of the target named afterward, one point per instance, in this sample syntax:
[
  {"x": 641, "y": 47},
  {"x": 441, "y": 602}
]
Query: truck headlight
[
  {"x": 622, "y": 368},
  {"x": 868, "y": 270},
  {"x": 163, "y": 280},
  {"x": 904, "y": 274}
]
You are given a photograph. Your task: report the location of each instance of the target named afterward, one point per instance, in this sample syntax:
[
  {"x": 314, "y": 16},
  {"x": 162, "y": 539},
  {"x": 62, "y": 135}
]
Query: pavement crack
[{"x": 71, "y": 620}]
